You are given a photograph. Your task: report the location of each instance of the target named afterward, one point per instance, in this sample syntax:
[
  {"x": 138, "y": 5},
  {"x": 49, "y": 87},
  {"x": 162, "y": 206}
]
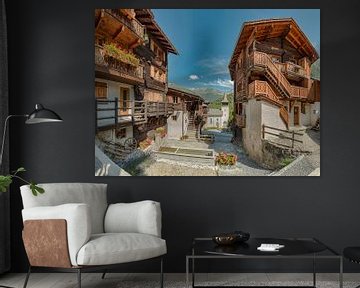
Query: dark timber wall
[{"x": 52, "y": 62}]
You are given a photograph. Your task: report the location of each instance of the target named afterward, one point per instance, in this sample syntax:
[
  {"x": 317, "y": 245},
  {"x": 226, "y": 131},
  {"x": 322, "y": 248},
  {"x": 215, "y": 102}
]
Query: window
[
  {"x": 124, "y": 98},
  {"x": 120, "y": 134},
  {"x": 100, "y": 90},
  {"x": 303, "y": 108},
  {"x": 175, "y": 99}
]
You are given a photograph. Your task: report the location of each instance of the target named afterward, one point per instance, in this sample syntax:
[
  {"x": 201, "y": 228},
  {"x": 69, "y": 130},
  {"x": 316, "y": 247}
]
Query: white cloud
[
  {"x": 215, "y": 66},
  {"x": 193, "y": 77},
  {"x": 225, "y": 83}
]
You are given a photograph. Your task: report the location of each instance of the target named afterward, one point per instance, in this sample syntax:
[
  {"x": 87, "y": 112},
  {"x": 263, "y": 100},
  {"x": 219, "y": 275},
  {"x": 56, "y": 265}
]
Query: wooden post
[
  {"x": 132, "y": 103},
  {"x": 146, "y": 111},
  {"x": 116, "y": 108},
  {"x": 96, "y": 116},
  {"x": 263, "y": 131},
  {"x": 293, "y": 139}
]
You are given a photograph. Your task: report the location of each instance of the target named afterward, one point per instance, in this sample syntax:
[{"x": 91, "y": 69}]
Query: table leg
[
  {"x": 193, "y": 272},
  {"x": 187, "y": 272},
  {"x": 314, "y": 271},
  {"x": 341, "y": 273}
]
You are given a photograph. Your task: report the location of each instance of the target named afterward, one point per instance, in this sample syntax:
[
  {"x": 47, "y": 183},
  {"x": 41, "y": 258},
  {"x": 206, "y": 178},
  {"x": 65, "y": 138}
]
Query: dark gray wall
[{"x": 51, "y": 62}]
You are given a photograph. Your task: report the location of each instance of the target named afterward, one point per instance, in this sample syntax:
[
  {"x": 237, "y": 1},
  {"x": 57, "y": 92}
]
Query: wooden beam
[
  {"x": 117, "y": 33},
  {"x": 251, "y": 38},
  {"x": 268, "y": 30},
  {"x": 286, "y": 31},
  {"x": 100, "y": 18},
  {"x": 135, "y": 43}
]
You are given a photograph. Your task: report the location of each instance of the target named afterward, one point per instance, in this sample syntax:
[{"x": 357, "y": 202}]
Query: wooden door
[
  {"x": 296, "y": 116},
  {"x": 124, "y": 101}
]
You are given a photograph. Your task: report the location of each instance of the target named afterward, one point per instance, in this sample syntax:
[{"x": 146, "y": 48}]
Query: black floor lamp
[{"x": 39, "y": 115}]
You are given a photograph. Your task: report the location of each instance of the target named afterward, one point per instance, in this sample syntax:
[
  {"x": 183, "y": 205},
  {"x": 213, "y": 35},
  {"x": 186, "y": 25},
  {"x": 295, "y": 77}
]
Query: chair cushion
[
  {"x": 352, "y": 253},
  {"x": 114, "y": 248},
  {"x": 92, "y": 194}
]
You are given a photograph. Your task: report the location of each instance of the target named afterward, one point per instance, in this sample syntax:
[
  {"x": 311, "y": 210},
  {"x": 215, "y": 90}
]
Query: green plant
[
  {"x": 161, "y": 131},
  {"x": 6, "y": 180},
  {"x": 115, "y": 52},
  {"x": 228, "y": 159},
  {"x": 286, "y": 161}
]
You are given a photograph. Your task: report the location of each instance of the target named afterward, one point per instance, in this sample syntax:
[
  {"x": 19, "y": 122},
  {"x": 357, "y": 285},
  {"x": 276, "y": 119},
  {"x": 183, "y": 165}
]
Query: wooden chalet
[
  {"x": 188, "y": 105},
  {"x": 271, "y": 70},
  {"x": 185, "y": 99},
  {"x": 131, "y": 54}
]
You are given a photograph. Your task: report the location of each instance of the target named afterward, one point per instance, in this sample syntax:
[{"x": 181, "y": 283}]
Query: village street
[{"x": 244, "y": 166}]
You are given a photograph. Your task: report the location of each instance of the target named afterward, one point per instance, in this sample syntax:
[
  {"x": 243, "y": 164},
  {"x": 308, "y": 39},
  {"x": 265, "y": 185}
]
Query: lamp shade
[{"x": 42, "y": 115}]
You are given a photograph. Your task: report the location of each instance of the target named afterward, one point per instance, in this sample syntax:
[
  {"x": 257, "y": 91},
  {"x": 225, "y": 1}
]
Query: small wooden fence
[{"x": 290, "y": 135}]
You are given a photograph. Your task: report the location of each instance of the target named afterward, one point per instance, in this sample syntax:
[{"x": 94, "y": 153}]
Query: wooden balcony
[
  {"x": 113, "y": 113},
  {"x": 262, "y": 62},
  {"x": 112, "y": 68},
  {"x": 274, "y": 72},
  {"x": 240, "y": 121},
  {"x": 131, "y": 23},
  {"x": 294, "y": 72},
  {"x": 159, "y": 63},
  {"x": 130, "y": 13},
  {"x": 262, "y": 90},
  {"x": 155, "y": 84},
  {"x": 300, "y": 93}
]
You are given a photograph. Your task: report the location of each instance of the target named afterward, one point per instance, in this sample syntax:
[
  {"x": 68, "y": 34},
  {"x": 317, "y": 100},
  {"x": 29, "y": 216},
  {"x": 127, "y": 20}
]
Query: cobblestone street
[{"x": 222, "y": 143}]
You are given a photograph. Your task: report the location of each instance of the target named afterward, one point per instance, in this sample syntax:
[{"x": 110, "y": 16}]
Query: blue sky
[{"x": 205, "y": 39}]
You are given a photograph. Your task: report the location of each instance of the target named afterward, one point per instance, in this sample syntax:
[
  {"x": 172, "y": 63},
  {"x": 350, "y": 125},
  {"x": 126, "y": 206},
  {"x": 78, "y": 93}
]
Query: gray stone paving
[
  {"x": 244, "y": 167},
  {"x": 305, "y": 164}
]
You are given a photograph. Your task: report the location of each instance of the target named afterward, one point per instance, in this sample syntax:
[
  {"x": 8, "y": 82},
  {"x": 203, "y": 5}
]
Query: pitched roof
[
  {"x": 214, "y": 112},
  {"x": 184, "y": 90},
  {"x": 147, "y": 18},
  {"x": 272, "y": 28}
]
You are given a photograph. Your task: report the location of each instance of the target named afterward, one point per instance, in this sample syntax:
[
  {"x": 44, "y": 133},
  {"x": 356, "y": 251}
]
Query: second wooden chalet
[
  {"x": 271, "y": 70},
  {"x": 187, "y": 106}
]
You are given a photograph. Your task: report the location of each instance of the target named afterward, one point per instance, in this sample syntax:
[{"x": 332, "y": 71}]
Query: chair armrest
[
  {"x": 78, "y": 223},
  {"x": 138, "y": 217}
]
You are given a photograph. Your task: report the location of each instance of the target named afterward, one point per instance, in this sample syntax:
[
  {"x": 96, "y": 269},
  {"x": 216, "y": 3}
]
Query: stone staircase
[{"x": 191, "y": 134}]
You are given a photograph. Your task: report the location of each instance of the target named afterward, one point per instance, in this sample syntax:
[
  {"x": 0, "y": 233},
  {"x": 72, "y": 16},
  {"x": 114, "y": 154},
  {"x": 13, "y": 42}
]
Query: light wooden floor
[{"x": 114, "y": 280}]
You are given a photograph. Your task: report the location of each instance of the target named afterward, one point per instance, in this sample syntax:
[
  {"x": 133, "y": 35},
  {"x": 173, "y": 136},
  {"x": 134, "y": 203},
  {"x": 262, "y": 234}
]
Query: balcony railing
[
  {"x": 299, "y": 92},
  {"x": 259, "y": 88},
  {"x": 102, "y": 59},
  {"x": 296, "y": 70},
  {"x": 133, "y": 24},
  {"x": 261, "y": 59},
  {"x": 115, "y": 111},
  {"x": 130, "y": 13},
  {"x": 240, "y": 120}
]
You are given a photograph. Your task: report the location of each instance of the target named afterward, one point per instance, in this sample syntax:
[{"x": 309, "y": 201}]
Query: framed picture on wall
[{"x": 207, "y": 92}]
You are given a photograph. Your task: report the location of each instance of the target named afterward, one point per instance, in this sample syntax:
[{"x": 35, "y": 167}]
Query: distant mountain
[
  {"x": 209, "y": 94},
  {"x": 315, "y": 70}
]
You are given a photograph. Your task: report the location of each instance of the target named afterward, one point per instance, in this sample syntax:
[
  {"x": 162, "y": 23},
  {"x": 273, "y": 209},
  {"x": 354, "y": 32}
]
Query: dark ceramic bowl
[
  {"x": 231, "y": 238},
  {"x": 225, "y": 239}
]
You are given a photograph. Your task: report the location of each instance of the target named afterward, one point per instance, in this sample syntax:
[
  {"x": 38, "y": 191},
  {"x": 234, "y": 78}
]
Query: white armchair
[{"x": 79, "y": 231}]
